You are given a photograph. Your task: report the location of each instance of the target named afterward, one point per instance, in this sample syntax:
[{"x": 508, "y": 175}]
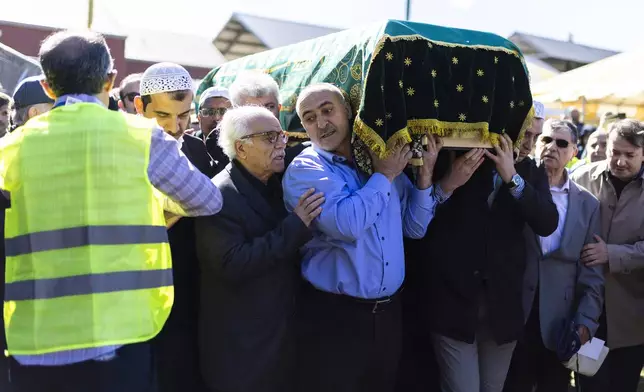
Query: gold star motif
[
  {"x": 496, "y": 60},
  {"x": 400, "y": 83},
  {"x": 411, "y": 91},
  {"x": 485, "y": 99},
  {"x": 382, "y": 87},
  {"x": 434, "y": 73},
  {"x": 408, "y": 61},
  {"x": 389, "y": 116},
  {"x": 389, "y": 56},
  {"x": 512, "y": 104},
  {"x": 462, "y": 117},
  {"x": 521, "y": 103},
  {"x": 480, "y": 72},
  {"x": 459, "y": 88},
  {"x": 430, "y": 45},
  {"x": 379, "y": 122},
  {"x": 454, "y": 60},
  {"x": 436, "y": 103}
]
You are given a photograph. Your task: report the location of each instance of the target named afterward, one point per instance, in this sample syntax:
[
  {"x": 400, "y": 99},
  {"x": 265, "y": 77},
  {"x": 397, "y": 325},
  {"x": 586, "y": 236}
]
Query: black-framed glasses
[
  {"x": 270, "y": 136},
  {"x": 561, "y": 143},
  {"x": 130, "y": 96},
  {"x": 210, "y": 112}
]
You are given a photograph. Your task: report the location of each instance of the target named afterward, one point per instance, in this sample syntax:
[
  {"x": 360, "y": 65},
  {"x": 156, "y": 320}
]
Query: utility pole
[
  {"x": 90, "y": 14},
  {"x": 407, "y": 9}
]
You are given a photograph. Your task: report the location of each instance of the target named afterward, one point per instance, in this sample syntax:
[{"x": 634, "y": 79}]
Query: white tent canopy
[
  {"x": 15, "y": 66},
  {"x": 616, "y": 80},
  {"x": 539, "y": 70}
]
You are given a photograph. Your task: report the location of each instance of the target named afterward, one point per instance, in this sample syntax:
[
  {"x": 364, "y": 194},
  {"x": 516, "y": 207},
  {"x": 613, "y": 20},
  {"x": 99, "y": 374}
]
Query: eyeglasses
[
  {"x": 561, "y": 143},
  {"x": 210, "y": 112},
  {"x": 130, "y": 96},
  {"x": 270, "y": 136}
]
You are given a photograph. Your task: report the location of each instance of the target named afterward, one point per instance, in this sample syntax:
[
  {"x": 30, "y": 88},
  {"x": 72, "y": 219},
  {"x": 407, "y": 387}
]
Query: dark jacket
[
  {"x": 249, "y": 257},
  {"x": 474, "y": 252},
  {"x": 194, "y": 148}
]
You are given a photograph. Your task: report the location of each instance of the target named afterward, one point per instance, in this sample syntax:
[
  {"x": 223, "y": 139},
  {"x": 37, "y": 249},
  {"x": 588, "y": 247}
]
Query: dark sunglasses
[
  {"x": 270, "y": 136},
  {"x": 561, "y": 143},
  {"x": 208, "y": 112},
  {"x": 130, "y": 96}
]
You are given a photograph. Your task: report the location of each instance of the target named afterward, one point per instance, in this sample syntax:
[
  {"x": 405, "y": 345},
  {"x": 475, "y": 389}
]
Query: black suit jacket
[
  {"x": 473, "y": 251},
  {"x": 249, "y": 257},
  {"x": 195, "y": 150}
]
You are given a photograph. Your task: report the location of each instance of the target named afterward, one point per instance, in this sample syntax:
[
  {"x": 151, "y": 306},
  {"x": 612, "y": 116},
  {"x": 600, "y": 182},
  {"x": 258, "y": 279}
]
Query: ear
[
  {"x": 47, "y": 89},
  {"x": 32, "y": 112},
  {"x": 138, "y": 104},
  {"x": 121, "y": 105},
  {"x": 347, "y": 107},
  {"x": 575, "y": 150},
  {"x": 240, "y": 149},
  {"x": 109, "y": 83},
  {"x": 279, "y": 107}
]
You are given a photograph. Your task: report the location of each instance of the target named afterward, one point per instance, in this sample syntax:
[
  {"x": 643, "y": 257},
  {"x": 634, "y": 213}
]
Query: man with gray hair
[
  {"x": 258, "y": 89},
  {"x": 248, "y": 255}
]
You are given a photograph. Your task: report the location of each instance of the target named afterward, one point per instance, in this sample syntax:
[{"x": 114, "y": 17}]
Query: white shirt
[{"x": 560, "y": 198}]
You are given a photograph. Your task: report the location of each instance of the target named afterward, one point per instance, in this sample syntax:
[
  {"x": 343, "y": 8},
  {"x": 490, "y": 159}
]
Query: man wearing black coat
[
  {"x": 472, "y": 262},
  {"x": 249, "y": 257}
]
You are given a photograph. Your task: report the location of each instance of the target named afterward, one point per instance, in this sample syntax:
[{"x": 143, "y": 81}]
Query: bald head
[
  {"x": 77, "y": 63},
  {"x": 317, "y": 88}
]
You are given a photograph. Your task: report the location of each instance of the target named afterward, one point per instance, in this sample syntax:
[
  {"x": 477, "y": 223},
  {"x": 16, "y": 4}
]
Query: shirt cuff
[
  {"x": 517, "y": 191},
  {"x": 379, "y": 183},
  {"x": 440, "y": 195},
  {"x": 424, "y": 198}
]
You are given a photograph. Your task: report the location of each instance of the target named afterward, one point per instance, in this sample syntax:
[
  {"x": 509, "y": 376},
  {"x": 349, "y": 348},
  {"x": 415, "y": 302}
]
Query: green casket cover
[{"x": 403, "y": 79}]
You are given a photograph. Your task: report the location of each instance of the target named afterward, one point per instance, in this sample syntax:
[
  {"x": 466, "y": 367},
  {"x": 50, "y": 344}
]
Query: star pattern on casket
[
  {"x": 485, "y": 99},
  {"x": 434, "y": 73},
  {"x": 459, "y": 88},
  {"x": 462, "y": 117},
  {"x": 389, "y": 56},
  {"x": 408, "y": 61},
  {"x": 379, "y": 122},
  {"x": 411, "y": 91},
  {"x": 389, "y": 116},
  {"x": 480, "y": 72},
  {"x": 512, "y": 104},
  {"x": 455, "y": 60},
  {"x": 521, "y": 103},
  {"x": 400, "y": 83},
  {"x": 430, "y": 45},
  {"x": 496, "y": 60},
  {"x": 436, "y": 104}
]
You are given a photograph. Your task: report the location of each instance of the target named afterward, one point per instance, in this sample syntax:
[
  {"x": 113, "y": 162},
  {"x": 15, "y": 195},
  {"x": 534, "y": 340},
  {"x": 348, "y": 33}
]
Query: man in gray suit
[{"x": 558, "y": 288}]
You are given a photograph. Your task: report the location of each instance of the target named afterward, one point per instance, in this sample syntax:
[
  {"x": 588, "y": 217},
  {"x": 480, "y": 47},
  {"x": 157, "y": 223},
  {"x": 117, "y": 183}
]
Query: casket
[{"x": 402, "y": 80}]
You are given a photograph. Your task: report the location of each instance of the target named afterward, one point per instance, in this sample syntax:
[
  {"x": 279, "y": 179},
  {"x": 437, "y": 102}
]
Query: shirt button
[
  {"x": 384, "y": 289},
  {"x": 382, "y": 238},
  {"x": 377, "y": 214},
  {"x": 387, "y": 264},
  {"x": 388, "y": 194}
]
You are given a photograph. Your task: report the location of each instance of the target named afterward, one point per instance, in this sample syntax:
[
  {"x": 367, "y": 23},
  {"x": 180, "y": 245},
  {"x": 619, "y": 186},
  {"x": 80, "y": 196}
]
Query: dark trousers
[
  {"x": 131, "y": 371},
  {"x": 620, "y": 372},
  {"x": 533, "y": 365},
  {"x": 418, "y": 370},
  {"x": 176, "y": 357},
  {"x": 345, "y": 345}
]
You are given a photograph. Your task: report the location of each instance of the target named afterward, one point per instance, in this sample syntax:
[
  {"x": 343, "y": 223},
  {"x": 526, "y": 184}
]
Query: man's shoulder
[
  {"x": 585, "y": 195},
  {"x": 307, "y": 159},
  {"x": 584, "y": 174}
]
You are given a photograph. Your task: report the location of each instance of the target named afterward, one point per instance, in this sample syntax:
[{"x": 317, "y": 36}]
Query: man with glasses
[
  {"x": 128, "y": 90},
  {"x": 558, "y": 287},
  {"x": 249, "y": 255},
  {"x": 213, "y": 103}
]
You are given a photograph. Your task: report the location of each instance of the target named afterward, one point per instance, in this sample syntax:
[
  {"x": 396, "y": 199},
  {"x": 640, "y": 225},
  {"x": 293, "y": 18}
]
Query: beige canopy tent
[{"x": 612, "y": 84}]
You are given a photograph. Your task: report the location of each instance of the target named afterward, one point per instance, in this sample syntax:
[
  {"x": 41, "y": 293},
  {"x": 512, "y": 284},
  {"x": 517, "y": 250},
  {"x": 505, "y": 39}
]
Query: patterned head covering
[
  {"x": 165, "y": 78},
  {"x": 539, "y": 110}
]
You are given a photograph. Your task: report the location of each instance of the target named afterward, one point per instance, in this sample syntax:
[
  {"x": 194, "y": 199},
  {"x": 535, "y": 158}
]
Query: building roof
[
  {"x": 545, "y": 48},
  {"x": 184, "y": 49},
  {"x": 246, "y": 34}
]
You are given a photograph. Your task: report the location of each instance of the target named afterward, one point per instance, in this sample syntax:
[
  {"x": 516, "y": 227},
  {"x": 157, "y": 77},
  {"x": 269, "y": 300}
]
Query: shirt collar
[
  {"x": 329, "y": 156},
  {"x": 565, "y": 188},
  {"x": 70, "y": 99}
]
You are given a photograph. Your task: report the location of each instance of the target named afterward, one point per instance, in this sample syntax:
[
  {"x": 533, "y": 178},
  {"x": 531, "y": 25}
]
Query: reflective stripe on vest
[
  {"x": 84, "y": 236},
  {"x": 87, "y": 284}
]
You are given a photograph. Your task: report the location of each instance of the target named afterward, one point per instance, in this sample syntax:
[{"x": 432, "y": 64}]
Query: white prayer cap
[
  {"x": 213, "y": 92},
  {"x": 164, "y": 78},
  {"x": 539, "y": 110}
]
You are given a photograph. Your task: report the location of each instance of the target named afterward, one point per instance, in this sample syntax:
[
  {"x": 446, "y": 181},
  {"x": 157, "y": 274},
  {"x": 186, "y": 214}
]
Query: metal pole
[
  {"x": 90, "y": 14},
  {"x": 407, "y": 9}
]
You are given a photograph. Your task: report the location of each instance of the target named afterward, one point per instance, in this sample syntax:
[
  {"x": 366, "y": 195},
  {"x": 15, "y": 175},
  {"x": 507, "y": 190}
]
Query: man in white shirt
[{"x": 559, "y": 290}]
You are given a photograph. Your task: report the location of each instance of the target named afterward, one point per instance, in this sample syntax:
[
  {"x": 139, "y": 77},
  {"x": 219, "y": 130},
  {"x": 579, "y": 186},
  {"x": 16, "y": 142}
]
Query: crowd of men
[{"x": 129, "y": 269}]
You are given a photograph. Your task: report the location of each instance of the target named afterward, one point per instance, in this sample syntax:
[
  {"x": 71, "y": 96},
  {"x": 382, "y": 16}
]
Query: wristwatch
[{"x": 515, "y": 181}]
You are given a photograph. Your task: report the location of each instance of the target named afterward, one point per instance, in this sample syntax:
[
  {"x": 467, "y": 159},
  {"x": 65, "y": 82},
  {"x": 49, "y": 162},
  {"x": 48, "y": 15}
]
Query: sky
[{"x": 614, "y": 24}]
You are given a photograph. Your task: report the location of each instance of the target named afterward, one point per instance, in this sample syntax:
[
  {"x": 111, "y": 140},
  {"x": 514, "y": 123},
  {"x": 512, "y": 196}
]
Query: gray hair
[
  {"x": 235, "y": 125},
  {"x": 76, "y": 62},
  {"x": 313, "y": 88},
  {"x": 252, "y": 84},
  {"x": 565, "y": 125}
]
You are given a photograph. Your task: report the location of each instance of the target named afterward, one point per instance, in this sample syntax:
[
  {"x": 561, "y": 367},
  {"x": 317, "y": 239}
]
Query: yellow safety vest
[{"x": 87, "y": 257}]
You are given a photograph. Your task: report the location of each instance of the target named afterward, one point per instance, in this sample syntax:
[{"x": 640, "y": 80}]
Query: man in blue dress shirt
[{"x": 349, "y": 327}]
